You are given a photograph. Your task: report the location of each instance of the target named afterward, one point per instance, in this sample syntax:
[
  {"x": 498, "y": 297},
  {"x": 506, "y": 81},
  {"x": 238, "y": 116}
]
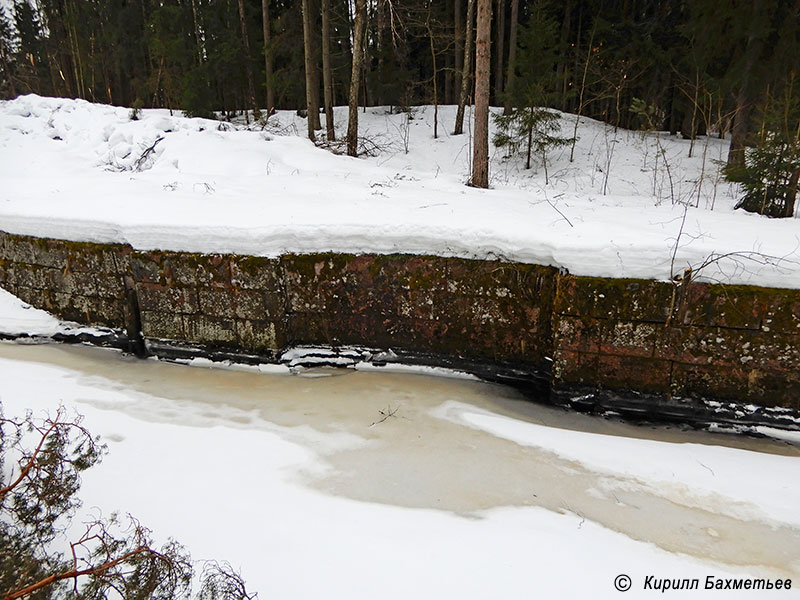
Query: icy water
[{"x": 397, "y": 449}]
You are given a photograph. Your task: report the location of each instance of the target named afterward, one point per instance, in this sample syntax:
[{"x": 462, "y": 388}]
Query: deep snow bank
[{"x": 75, "y": 170}]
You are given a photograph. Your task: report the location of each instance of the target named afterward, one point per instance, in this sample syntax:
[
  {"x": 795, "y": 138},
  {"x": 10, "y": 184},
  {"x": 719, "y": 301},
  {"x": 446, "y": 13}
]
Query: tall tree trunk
[
  {"x": 562, "y": 70},
  {"x": 327, "y": 72},
  {"x": 499, "y": 51},
  {"x": 434, "y": 76},
  {"x": 355, "y": 76},
  {"x": 265, "y": 23},
  {"x": 380, "y": 51},
  {"x": 312, "y": 106},
  {"x": 465, "y": 69},
  {"x": 447, "y": 97},
  {"x": 458, "y": 34},
  {"x": 512, "y": 57},
  {"x": 741, "y": 119},
  {"x": 248, "y": 57},
  {"x": 791, "y": 197},
  {"x": 483, "y": 59},
  {"x": 198, "y": 38}
]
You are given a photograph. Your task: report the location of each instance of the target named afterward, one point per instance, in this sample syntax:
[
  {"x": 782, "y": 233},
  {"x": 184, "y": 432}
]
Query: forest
[{"x": 690, "y": 67}]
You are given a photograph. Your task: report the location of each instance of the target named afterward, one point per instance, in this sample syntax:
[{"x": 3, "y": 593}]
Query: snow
[
  {"x": 20, "y": 319},
  {"x": 232, "y": 485},
  {"x": 69, "y": 170}
]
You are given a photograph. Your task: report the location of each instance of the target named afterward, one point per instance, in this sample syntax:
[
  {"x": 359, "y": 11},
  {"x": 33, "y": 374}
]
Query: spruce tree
[
  {"x": 769, "y": 173},
  {"x": 531, "y": 128}
]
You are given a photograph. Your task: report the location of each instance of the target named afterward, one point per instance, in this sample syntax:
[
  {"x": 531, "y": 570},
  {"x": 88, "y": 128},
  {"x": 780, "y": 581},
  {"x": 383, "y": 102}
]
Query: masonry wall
[
  {"x": 698, "y": 340},
  {"x": 695, "y": 340}
]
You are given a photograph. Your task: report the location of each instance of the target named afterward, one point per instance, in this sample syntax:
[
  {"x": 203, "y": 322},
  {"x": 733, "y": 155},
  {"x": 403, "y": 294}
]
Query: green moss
[{"x": 252, "y": 265}]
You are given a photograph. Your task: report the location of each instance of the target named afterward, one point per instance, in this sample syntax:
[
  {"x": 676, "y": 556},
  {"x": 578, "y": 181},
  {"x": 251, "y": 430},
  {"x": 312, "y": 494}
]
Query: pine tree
[
  {"x": 483, "y": 58},
  {"x": 359, "y": 25}
]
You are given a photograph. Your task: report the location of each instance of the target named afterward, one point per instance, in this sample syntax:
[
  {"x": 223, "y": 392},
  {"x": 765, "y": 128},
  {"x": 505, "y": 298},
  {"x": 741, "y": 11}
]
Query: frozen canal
[{"x": 351, "y": 484}]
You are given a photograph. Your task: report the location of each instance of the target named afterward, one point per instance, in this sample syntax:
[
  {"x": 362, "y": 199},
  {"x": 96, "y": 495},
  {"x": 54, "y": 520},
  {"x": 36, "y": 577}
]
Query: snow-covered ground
[
  {"x": 17, "y": 318},
  {"x": 69, "y": 169}
]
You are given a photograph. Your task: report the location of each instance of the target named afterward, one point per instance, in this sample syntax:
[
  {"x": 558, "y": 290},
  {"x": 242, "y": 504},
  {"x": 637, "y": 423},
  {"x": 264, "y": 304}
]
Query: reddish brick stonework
[{"x": 725, "y": 342}]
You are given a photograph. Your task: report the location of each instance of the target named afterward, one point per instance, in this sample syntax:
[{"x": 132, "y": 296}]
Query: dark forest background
[{"x": 727, "y": 67}]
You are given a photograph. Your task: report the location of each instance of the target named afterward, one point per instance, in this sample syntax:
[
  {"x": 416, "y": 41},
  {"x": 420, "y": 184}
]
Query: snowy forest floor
[{"x": 628, "y": 204}]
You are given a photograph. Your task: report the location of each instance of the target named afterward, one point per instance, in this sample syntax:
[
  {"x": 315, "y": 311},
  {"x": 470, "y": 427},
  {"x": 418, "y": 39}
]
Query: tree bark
[
  {"x": 434, "y": 77},
  {"x": 499, "y": 51},
  {"x": 198, "y": 38},
  {"x": 480, "y": 146},
  {"x": 355, "y": 76},
  {"x": 327, "y": 72},
  {"x": 791, "y": 198},
  {"x": 265, "y": 23},
  {"x": 458, "y": 35},
  {"x": 251, "y": 87},
  {"x": 312, "y": 108},
  {"x": 512, "y": 57},
  {"x": 465, "y": 69}
]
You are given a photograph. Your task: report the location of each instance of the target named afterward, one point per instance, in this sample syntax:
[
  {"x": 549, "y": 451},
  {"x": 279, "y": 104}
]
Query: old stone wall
[
  {"x": 582, "y": 333},
  {"x": 693, "y": 340}
]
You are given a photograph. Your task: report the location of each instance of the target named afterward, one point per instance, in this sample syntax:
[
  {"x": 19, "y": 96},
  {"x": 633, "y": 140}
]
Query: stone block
[
  {"x": 217, "y": 302},
  {"x": 635, "y": 373},
  {"x": 18, "y": 248},
  {"x": 214, "y": 331},
  {"x": 722, "y": 306},
  {"x": 256, "y": 273},
  {"x": 722, "y": 382},
  {"x": 109, "y": 286},
  {"x": 38, "y": 277},
  {"x": 613, "y": 299},
  {"x": 85, "y": 309},
  {"x": 574, "y": 368},
  {"x": 573, "y": 334},
  {"x": 259, "y": 335},
  {"x": 628, "y": 338},
  {"x": 162, "y": 298},
  {"x": 48, "y": 253},
  {"x": 163, "y": 325},
  {"x": 92, "y": 258},
  {"x": 146, "y": 268},
  {"x": 782, "y": 312},
  {"x": 410, "y": 272},
  {"x": 497, "y": 279},
  {"x": 733, "y": 347},
  {"x": 258, "y": 305},
  {"x": 79, "y": 283},
  {"x": 200, "y": 270}
]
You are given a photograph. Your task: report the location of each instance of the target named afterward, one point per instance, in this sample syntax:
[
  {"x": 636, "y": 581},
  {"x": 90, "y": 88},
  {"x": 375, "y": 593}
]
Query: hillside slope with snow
[{"x": 79, "y": 171}]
